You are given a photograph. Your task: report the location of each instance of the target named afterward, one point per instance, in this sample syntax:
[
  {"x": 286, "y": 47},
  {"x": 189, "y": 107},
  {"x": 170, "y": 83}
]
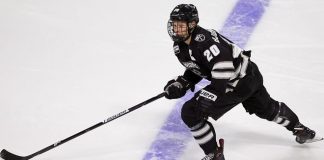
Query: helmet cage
[
  {"x": 182, "y": 12},
  {"x": 174, "y": 36}
]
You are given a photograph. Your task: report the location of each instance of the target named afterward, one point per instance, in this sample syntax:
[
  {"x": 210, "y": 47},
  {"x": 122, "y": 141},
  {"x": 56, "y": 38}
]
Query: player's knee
[
  {"x": 189, "y": 114},
  {"x": 278, "y": 112},
  {"x": 268, "y": 110}
]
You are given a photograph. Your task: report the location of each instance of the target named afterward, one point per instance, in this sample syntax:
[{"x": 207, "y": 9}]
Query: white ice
[{"x": 66, "y": 65}]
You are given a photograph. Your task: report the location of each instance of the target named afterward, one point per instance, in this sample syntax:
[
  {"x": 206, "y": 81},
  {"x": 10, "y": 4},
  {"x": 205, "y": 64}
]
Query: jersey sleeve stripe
[
  {"x": 223, "y": 65},
  {"x": 236, "y": 50},
  {"x": 244, "y": 65},
  {"x": 222, "y": 75}
]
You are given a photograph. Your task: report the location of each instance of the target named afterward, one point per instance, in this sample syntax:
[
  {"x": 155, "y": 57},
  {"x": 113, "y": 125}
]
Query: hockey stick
[{"x": 10, "y": 156}]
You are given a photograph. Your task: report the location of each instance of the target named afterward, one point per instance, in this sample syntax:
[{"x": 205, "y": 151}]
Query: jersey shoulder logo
[
  {"x": 176, "y": 49},
  {"x": 200, "y": 38},
  {"x": 214, "y": 35}
]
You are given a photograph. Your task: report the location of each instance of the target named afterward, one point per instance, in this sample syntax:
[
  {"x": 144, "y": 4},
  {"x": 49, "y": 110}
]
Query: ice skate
[
  {"x": 213, "y": 156},
  {"x": 218, "y": 155},
  {"x": 305, "y": 135},
  {"x": 210, "y": 156}
]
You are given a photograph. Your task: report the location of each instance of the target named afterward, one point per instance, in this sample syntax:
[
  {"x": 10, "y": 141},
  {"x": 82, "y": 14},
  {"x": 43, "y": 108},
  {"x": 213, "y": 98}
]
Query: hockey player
[{"x": 233, "y": 77}]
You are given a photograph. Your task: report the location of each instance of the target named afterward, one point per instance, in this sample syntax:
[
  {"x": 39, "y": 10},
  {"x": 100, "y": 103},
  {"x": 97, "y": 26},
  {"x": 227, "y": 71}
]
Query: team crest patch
[{"x": 200, "y": 38}]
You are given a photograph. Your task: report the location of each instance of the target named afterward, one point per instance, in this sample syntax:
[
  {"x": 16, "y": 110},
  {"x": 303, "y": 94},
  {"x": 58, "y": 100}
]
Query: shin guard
[
  {"x": 286, "y": 117},
  {"x": 205, "y": 136}
]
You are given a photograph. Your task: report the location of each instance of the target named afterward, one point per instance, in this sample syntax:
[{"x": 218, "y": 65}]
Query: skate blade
[{"x": 315, "y": 139}]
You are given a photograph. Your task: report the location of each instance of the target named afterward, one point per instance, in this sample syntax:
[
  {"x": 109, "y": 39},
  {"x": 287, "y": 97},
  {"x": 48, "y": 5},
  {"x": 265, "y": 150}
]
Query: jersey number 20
[{"x": 212, "y": 52}]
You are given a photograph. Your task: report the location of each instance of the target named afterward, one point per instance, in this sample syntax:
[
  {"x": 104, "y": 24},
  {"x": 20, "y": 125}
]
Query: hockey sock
[
  {"x": 205, "y": 136},
  {"x": 286, "y": 117}
]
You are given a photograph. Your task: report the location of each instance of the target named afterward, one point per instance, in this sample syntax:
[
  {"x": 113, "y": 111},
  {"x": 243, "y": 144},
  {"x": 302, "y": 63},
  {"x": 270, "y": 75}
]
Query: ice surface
[{"x": 66, "y": 65}]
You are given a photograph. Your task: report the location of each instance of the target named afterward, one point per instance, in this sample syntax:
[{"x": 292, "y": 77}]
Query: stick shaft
[{"x": 97, "y": 125}]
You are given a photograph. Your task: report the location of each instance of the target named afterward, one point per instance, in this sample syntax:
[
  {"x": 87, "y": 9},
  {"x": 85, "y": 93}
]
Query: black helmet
[
  {"x": 182, "y": 12},
  {"x": 185, "y": 12}
]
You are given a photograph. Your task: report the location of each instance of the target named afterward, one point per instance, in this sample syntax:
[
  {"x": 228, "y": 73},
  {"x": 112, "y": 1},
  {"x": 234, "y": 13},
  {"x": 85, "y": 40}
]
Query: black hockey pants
[{"x": 251, "y": 93}]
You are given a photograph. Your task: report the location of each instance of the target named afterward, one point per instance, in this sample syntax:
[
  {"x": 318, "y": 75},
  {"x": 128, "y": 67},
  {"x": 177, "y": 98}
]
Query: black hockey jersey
[{"x": 213, "y": 57}]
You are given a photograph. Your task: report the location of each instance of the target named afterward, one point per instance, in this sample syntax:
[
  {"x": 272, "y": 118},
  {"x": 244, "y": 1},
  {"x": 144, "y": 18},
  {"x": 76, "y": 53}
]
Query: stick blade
[{"x": 9, "y": 156}]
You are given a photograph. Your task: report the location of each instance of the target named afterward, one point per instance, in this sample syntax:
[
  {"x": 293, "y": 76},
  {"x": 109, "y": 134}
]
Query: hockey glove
[{"x": 176, "y": 88}]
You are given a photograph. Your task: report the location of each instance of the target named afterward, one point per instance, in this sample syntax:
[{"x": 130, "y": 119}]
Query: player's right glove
[{"x": 177, "y": 88}]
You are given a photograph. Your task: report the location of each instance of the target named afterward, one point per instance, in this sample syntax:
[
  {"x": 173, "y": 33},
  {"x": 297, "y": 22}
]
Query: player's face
[{"x": 180, "y": 28}]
